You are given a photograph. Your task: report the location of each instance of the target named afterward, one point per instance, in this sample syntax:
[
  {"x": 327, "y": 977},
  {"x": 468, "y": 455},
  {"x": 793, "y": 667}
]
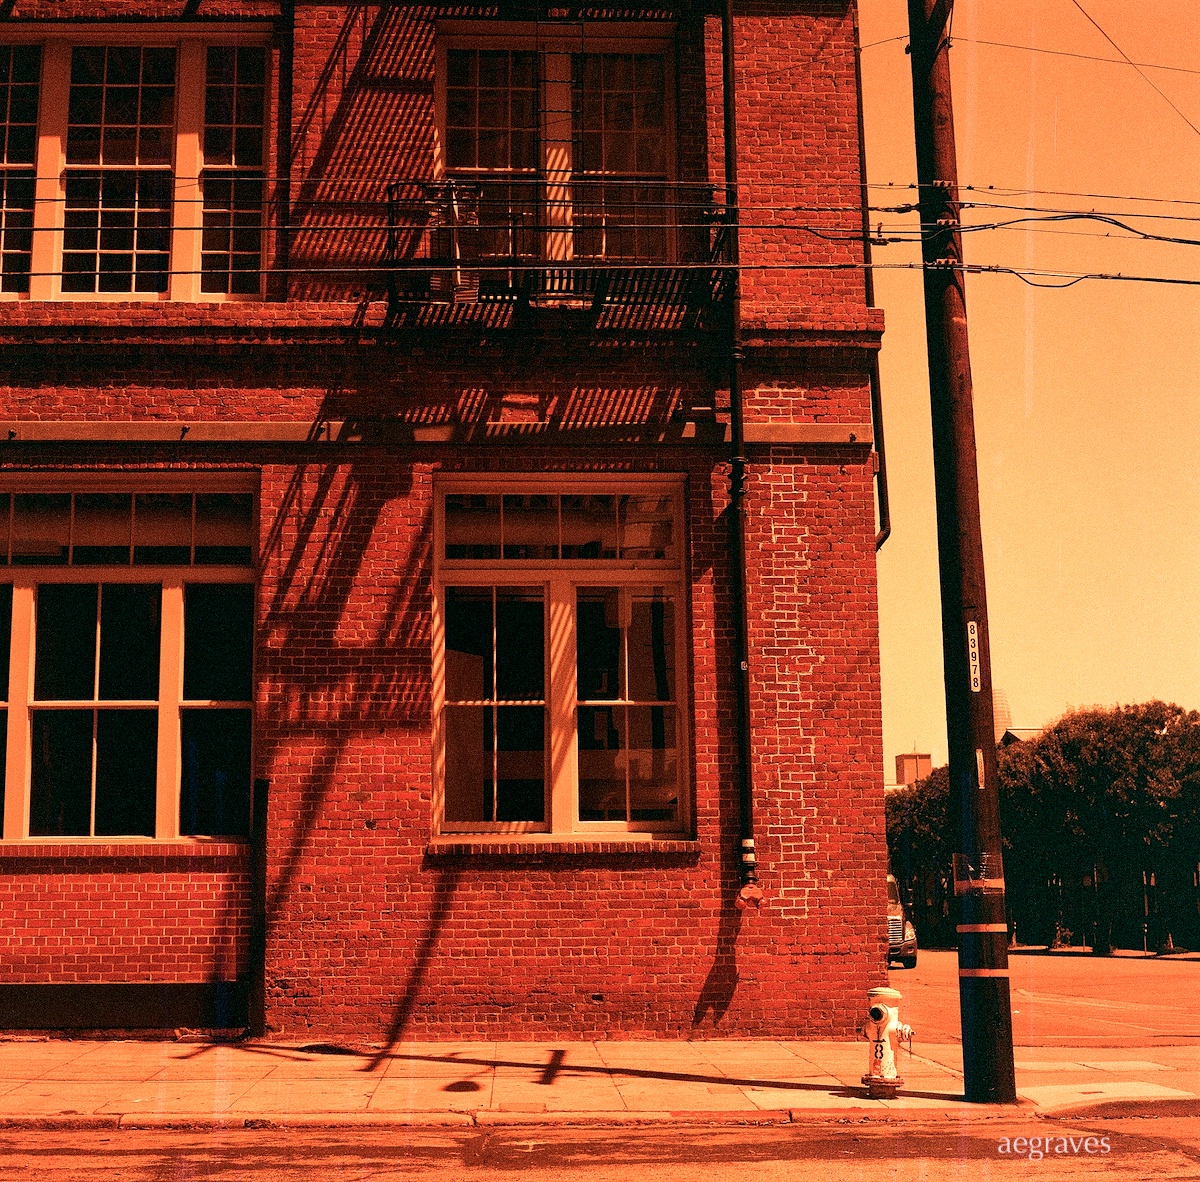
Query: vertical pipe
[
  {"x": 282, "y": 204},
  {"x": 881, "y": 487},
  {"x": 750, "y": 893}
]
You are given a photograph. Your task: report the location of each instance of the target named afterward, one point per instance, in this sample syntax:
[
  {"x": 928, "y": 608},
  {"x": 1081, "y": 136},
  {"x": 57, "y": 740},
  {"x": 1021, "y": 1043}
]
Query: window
[
  {"x": 552, "y": 149},
  {"x": 20, "y": 69},
  {"x": 150, "y": 158},
  {"x": 126, "y": 640},
  {"x": 559, "y": 650}
]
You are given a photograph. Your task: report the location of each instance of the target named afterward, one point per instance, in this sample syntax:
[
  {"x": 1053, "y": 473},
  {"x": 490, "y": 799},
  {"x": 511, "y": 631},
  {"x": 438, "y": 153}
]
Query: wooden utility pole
[{"x": 978, "y": 869}]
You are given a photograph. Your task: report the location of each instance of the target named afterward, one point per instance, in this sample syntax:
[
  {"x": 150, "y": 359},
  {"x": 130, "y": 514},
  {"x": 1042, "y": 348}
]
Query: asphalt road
[
  {"x": 1066, "y": 1000},
  {"x": 848, "y": 1149}
]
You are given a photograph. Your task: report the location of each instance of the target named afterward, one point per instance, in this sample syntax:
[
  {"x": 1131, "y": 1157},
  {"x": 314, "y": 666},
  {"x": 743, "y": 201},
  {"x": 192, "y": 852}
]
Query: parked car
[{"x": 902, "y": 936}]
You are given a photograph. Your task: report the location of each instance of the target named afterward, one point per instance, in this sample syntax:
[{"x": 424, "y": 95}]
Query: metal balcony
[{"x": 629, "y": 252}]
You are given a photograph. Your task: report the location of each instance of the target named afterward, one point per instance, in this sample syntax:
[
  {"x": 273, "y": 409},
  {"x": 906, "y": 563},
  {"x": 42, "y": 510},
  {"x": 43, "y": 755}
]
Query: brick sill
[
  {"x": 508, "y": 845},
  {"x": 90, "y": 848}
]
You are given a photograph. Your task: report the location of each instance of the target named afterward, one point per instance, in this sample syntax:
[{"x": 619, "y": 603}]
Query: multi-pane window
[
  {"x": 126, "y": 628},
  {"x": 558, "y": 654},
  {"x": 121, "y": 121},
  {"x": 620, "y": 162},
  {"x": 556, "y": 153},
  {"x": 152, "y": 166},
  {"x": 233, "y": 178},
  {"x": 20, "y": 72}
]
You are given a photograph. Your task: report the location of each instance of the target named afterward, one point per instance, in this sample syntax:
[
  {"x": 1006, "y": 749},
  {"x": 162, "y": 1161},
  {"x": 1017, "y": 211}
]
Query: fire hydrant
[{"x": 884, "y": 1030}]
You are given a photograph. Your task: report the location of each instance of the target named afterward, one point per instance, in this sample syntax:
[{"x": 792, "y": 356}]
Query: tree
[{"x": 1101, "y": 823}]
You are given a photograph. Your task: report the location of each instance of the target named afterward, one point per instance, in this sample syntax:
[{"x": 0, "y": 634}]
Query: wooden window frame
[
  {"x": 554, "y": 45},
  {"x": 191, "y": 42},
  {"x": 559, "y": 580},
  {"x": 170, "y": 702}
]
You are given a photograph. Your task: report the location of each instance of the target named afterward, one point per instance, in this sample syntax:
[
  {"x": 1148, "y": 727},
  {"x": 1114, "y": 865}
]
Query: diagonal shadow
[{"x": 443, "y": 896}]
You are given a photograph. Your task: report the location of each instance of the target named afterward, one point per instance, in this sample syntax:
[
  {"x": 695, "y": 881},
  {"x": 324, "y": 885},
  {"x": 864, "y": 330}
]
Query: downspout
[
  {"x": 750, "y": 894},
  {"x": 286, "y": 41},
  {"x": 881, "y": 489}
]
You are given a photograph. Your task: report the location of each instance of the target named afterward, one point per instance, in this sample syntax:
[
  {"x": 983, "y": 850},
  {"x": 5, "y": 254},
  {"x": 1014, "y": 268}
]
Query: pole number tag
[{"x": 973, "y": 656}]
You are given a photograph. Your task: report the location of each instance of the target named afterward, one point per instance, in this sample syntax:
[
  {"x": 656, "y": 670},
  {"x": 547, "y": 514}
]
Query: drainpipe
[
  {"x": 286, "y": 42},
  {"x": 881, "y": 489},
  {"x": 750, "y": 894}
]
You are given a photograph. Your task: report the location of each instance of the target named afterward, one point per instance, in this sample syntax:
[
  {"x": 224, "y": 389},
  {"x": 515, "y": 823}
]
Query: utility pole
[{"x": 978, "y": 869}]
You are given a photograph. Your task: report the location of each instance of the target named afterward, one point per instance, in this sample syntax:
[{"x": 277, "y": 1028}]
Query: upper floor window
[
  {"x": 555, "y": 150},
  {"x": 133, "y": 170}
]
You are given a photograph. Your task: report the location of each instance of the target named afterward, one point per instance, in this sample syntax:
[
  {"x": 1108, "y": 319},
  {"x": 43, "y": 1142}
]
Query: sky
[{"x": 1087, "y": 411}]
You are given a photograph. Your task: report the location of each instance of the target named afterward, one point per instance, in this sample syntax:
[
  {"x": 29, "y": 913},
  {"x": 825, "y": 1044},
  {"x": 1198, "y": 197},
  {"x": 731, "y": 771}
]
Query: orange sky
[{"x": 1086, "y": 408}]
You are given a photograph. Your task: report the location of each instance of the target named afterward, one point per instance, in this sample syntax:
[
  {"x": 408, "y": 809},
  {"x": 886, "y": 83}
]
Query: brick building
[{"x": 368, "y": 596}]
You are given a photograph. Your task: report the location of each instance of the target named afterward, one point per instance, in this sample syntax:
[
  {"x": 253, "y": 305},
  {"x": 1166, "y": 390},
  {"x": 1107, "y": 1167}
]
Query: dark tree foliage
[{"x": 1101, "y": 822}]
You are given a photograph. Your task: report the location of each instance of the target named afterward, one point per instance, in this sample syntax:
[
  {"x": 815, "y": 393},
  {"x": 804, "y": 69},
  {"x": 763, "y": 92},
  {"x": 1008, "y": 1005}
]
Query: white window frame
[
  {"x": 554, "y": 45},
  {"x": 57, "y": 41},
  {"x": 559, "y": 580},
  {"x": 170, "y": 702}
]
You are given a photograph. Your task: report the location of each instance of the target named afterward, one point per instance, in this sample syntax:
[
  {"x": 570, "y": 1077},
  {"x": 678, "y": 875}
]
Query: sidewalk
[{"x": 75, "y": 1083}]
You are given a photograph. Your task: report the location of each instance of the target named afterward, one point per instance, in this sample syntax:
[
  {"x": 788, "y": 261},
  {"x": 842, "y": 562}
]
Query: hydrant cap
[{"x": 887, "y": 996}]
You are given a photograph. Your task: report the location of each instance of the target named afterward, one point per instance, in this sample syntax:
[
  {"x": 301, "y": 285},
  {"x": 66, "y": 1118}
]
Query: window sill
[
  {"x": 543, "y": 844},
  {"x": 81, "y": 848}
]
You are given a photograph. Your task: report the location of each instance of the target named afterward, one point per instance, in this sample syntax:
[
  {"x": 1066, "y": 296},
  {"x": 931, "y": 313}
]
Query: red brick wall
[
  {"x": 109, "y": 912},
  {"x": 369, "y": 933},
  {"x": 372, "y": 934}
]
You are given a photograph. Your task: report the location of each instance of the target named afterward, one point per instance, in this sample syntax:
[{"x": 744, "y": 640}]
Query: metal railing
[{"x": 596, "y": 239}]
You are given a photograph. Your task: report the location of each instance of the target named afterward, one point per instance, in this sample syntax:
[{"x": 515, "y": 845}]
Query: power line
[
  {"x": 1134, "y": 64},
  {"x": 1085, "y": 57},
  {"x": 1004, "y": 190}
]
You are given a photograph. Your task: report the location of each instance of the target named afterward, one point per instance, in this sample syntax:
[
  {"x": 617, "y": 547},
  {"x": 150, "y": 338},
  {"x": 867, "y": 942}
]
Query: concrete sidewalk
[{"x": 60, "y": 1082}]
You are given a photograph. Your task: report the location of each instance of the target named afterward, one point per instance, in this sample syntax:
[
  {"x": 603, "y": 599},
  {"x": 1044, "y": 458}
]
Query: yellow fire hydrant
[{"x": 884, "y": 1031}]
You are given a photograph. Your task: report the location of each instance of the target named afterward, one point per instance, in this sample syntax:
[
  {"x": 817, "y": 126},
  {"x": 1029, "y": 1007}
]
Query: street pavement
[{"x": 64, "y": 1082}]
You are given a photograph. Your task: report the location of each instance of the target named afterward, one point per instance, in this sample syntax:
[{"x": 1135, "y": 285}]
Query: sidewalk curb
[{"x": 1124, "y": 1109}]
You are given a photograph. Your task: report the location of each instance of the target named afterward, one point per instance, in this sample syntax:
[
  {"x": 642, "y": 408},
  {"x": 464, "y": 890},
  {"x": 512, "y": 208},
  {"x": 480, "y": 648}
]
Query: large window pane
[
  {"x": 101, "y": 530},
  {"x": 41, "y": 529},
  {"x": 5, "y": 652},
  {"x": 60, "y": 793},
  {"x": 530, "y": 526},
  {"x": 653, "y": 764},
  {"x": 472, "y": 526},
  {"x": 130, "y": 626},
  {"x": 214, "y": 795},
  {"x": 468, "y": 644},
  {"x": 6, "y": 600},
  {"x": 470, "y": 759},
  {"x": 224, "y": 529},
  {"x": 162, "y": 529},
  {"x": 520, "y": 763},
  {"x": 64, "y": 666},
  {"x": 520, "y": 644},
  {"x": 589, "y": 527},
  {"x": 598, "y": 642},
  {"x": 218, "y": 641},
  {"x": 651, "y": 648},
  {"x": 602, "y": 758},
  {"x": 126, "y": 772}
]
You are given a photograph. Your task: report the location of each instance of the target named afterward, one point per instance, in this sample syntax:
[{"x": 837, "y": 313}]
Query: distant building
[
  {"x": 1020, "y": 734},
  {"x": 912, "y": 767},
  {"x": 1001, "y": 714}
]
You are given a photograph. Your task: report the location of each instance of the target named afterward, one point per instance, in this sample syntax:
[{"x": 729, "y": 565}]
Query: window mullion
[
  {"x": 561, "y": 709},
  {"x": 46, "y": 262},
  {"x": 20, "y": 690},
  {"x": 557, "y": 133},
  {"x": 188, "y": 207},
  {"x": 170, "y": 693}
]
